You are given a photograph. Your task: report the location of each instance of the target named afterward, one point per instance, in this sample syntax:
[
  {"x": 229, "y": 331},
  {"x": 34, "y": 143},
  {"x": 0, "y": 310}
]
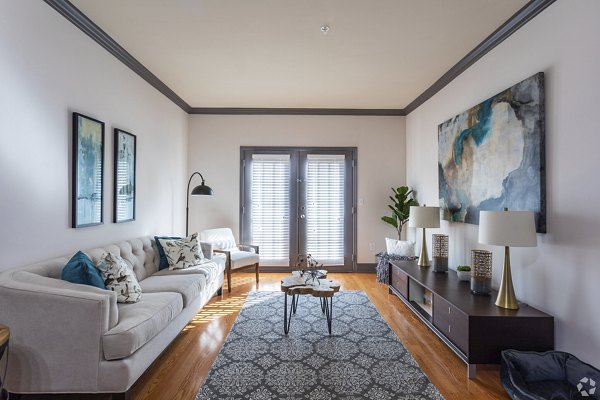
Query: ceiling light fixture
[{"x": 325, "y": 29}]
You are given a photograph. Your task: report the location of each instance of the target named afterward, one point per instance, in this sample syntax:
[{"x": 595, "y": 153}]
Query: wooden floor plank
[{"x": 181, "y": 369}]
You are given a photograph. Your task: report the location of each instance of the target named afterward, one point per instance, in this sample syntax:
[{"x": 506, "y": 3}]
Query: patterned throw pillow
[
  {"x": 163, "y": 262},
  {"x": 183, "y": 253},
  {"x": 120, "y": 279},
  {"x": 400, "y": 248}
]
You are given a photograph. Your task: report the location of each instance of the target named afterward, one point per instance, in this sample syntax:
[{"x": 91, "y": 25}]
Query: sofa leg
[
  {"x": 220, "y": 291},
  {"x": 122, "y": 396},
  {"x": 256, "y": 267}
]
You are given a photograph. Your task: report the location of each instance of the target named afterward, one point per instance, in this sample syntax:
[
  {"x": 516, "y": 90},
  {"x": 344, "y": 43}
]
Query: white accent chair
[{"x": 239, "y": 256}]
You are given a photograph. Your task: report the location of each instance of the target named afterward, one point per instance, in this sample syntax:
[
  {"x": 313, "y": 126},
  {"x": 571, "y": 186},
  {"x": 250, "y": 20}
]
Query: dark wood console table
[{"x": 472, "y": 326}]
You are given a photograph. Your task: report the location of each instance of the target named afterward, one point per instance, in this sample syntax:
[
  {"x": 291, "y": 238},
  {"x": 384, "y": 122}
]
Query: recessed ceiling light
[{"x": 325, "y": 29}]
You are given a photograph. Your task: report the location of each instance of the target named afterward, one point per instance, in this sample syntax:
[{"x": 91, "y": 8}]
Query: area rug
[{"x": 362, "y": 359}]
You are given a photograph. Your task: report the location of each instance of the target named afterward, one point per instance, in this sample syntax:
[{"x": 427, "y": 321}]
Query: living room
[{"x": 50, "y": 69}]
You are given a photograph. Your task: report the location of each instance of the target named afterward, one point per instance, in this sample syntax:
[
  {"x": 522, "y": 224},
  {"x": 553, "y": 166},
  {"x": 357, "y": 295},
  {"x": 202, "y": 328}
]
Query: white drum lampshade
[
  {"x": 507, "y": 228},
  {"x": 424, "y": 217}
]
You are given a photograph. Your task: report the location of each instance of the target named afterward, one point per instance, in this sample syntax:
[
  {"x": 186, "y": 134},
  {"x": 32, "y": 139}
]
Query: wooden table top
[
  {"x": 295, "y": 284},
  {"x": 4, "y": 334}
]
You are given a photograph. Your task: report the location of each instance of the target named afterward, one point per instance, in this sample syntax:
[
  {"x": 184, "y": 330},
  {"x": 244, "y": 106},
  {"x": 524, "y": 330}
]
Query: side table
[{"x": 4, "y": 336}]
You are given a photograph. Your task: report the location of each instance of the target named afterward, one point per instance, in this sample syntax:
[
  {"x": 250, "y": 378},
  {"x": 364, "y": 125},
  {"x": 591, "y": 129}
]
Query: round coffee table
[{"x": 297, "y": 284}]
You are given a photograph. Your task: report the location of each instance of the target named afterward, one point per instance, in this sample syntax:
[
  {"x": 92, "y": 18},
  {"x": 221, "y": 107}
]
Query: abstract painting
[
  {"x": 88, "y": 171},
  {"x": 124, "y": 204},
  {"x": 492, "y": 156}
]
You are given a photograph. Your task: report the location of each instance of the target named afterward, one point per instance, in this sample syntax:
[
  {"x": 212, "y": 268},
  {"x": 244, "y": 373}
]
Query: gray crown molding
[
  {"x": 80, "y": 20},
  {"x": 520, "y": 18},
  {"x": 297, "y": 111}
]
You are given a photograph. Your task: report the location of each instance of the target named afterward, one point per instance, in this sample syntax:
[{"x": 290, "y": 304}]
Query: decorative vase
[
  {"x": 481, "y": 272},
  {"x": 440, "y": 252}
]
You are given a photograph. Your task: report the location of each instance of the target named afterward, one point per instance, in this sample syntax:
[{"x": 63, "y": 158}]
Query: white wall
[
  {"x": 49, "y": 68},
  {"x": 215, "y": 151},
  {"x": 562, "y": 275}
]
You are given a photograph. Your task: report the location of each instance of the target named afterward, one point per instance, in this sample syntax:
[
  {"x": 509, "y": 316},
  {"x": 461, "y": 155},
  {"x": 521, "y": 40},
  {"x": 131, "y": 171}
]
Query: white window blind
[
  {"x": 325, "y": 208},
  {"x": 270, "y": 214}
]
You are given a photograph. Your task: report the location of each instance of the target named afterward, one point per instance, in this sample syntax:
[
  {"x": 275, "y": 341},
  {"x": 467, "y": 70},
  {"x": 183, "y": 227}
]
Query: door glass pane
[
  {"x": 270, "y": 212},
  {"x": 325, "y": 191}
]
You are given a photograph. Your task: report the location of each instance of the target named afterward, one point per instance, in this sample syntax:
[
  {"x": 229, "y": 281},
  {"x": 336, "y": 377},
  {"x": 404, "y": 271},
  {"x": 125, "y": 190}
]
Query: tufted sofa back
[{"x": 140, "y": 255}]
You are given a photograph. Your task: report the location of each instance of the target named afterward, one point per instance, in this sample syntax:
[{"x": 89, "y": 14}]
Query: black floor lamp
[{"x": 201, "y": 190}]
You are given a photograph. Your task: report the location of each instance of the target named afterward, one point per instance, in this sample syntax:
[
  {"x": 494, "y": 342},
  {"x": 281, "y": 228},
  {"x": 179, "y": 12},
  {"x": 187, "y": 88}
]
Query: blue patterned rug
[{"x": 363, "y": 359}]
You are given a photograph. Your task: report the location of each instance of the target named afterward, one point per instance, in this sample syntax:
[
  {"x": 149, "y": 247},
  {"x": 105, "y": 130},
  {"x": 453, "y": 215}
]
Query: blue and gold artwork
[{"x": 492, "y": 156}]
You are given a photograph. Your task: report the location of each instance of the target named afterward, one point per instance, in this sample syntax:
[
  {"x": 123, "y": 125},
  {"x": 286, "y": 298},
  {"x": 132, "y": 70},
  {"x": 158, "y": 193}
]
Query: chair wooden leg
[
  {"x": 228, "y": 280},
  {"x": 256, "y": 267}
]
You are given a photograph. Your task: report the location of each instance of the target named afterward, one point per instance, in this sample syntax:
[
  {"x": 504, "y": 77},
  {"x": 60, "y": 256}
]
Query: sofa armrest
[
  {"x": 207, "y": 249},
  {"x": 227, "y": 258},
  {"x": 56, "y": 331},
  {"x": 251, "y": 247}
]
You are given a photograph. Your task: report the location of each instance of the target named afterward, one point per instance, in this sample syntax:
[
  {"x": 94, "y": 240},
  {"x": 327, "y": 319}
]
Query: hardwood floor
[{"x": 181, "y": 369}]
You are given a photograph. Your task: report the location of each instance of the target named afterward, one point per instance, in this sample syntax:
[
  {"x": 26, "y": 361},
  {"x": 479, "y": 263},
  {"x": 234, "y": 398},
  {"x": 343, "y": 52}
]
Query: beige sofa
[{"x": 70, "y": 338}]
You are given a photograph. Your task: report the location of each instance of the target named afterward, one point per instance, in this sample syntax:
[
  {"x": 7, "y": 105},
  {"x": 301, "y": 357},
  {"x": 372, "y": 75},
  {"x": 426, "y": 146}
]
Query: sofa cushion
[
  {"x": 120, "y": 279},
  {"x": 80, "y": 269},
  {"x": 243, "y": 258},
  {"x": 189, "y": 286},
  {"x": 210, "y": 269},
  {"x": 163, "y": 262},
  {"x": 139, "y": 322}
]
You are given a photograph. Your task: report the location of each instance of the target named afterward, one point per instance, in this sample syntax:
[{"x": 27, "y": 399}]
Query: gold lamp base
[
  {"x": 423, "y": 257},
  {"x": 506, "y": 294}
]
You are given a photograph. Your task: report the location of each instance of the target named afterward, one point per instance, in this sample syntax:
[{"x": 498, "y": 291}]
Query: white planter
[{"x": 464, "y": 275}]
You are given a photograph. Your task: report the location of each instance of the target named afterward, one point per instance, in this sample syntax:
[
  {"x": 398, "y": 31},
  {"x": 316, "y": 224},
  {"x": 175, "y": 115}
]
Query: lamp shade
[
  {"x": 202, "y": 190},
  {"x": 424, "y": 217},
  {"x": 507, "y": 228}
]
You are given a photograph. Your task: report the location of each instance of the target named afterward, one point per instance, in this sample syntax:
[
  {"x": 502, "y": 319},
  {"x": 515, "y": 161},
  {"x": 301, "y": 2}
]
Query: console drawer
[
  {"x": 399, "y": 280},
  {"x": 452, "y": 322}
]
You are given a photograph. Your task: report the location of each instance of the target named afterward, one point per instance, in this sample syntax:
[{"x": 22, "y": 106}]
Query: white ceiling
[{"x": 272, "y": 54}]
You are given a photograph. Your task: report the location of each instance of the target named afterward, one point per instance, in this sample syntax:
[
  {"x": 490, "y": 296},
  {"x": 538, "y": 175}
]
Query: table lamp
[
  {"x": 507, "y": 228},
  {"x": 424, "y": 217}
]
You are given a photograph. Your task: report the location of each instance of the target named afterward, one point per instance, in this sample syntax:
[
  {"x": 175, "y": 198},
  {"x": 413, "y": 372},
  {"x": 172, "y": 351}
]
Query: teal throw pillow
[
  {"x": 80, "y": 269},
  {"x": 164, "y": 262}
]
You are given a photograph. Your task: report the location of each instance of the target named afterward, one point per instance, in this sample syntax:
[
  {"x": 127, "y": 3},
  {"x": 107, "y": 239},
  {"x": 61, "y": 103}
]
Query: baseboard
[{"x": 365, "y": 267}]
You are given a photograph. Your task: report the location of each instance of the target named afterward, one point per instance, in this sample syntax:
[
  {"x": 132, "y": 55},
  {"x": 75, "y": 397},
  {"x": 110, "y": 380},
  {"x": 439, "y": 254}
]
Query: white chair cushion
[
  {"x": 243, "y": 259},
  {"x": 220, "y": 238}
]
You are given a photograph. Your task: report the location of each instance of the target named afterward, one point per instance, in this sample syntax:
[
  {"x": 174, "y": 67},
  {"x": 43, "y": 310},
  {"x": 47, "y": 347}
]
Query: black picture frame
[
  {"x": 87, "y": 196},
  {"x": 125, "y": 147}
]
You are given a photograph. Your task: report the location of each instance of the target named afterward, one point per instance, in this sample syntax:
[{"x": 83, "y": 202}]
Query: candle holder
[
  {"x": 481, "y": 272},
  {"x": 440, "y": 252}
]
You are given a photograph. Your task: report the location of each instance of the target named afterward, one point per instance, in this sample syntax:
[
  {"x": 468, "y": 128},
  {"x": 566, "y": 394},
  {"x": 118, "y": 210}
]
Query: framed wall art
[
  {"x": 88, "y": 171},
  {"x": 492, "y": 156},
  {"x": 124, "y": 204}
]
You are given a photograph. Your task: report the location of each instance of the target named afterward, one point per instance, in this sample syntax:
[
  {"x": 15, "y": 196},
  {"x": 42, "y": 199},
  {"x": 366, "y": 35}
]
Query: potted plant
[
  {"x": 402, "y": 200},
  {"x": 463, "y": 272}
]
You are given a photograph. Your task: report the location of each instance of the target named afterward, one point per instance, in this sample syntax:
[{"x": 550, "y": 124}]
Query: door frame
[{"x": 353, "y": 178}]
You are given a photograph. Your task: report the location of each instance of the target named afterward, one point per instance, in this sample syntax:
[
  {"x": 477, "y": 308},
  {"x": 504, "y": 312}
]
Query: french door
[{"x": 299, "y": 201}]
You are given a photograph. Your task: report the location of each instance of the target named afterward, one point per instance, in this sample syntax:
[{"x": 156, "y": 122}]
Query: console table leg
[{"x": 471, "y": 371}]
